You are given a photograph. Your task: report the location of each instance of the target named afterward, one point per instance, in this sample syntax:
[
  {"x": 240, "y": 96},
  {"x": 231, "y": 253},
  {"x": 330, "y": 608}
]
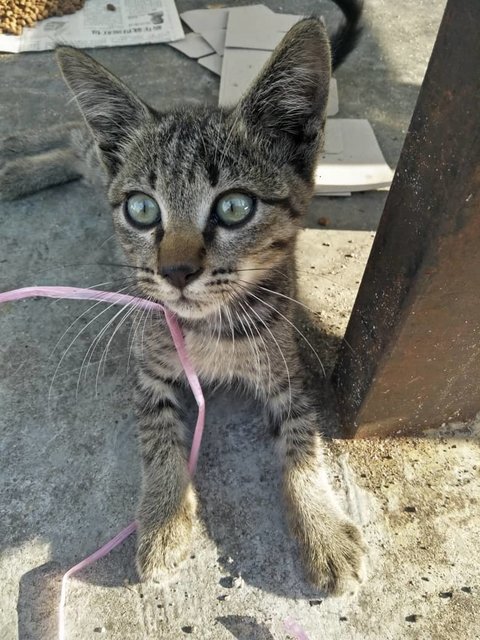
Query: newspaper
[{"x": 132, "y": 22}]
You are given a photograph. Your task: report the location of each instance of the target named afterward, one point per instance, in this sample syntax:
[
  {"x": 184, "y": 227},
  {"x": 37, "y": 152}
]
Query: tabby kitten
[{"x": 207, "y": 204}]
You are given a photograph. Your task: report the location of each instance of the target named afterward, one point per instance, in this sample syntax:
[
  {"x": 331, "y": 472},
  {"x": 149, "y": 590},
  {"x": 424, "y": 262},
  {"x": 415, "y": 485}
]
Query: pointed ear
[
  {"x": 110, "y": 109},
  {"x": 288, "y": 100}
]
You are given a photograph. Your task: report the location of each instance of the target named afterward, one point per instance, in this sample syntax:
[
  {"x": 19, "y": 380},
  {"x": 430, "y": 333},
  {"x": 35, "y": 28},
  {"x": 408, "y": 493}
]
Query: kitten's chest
[{"x": 216, "y": 358}]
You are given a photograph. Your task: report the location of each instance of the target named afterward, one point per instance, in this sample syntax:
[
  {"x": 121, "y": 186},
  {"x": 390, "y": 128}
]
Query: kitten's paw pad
[
  {"x": 162, "y": 548},
  {"x": 336, "y": 565}
]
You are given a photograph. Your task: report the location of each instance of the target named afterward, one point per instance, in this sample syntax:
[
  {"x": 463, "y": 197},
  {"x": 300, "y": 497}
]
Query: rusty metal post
[{"x": 411, "y": 354}]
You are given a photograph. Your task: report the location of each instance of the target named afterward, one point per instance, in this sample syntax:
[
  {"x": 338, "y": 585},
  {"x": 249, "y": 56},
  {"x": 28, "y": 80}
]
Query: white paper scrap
[
  {"x": 359, "y": 167},
  {"x": 212, "y": 63},
  {"x": 332, "y": 105},
  {"x": 193, "y": 46},
  {"x": 215, "y": 38},
  {"x": 200, "y": 20},
  {"x": 205, "y": 19},
  {"x": 251, "y": 28},
  {"x": 132, "y": 22},
  {"x": 333, "y": 138}
]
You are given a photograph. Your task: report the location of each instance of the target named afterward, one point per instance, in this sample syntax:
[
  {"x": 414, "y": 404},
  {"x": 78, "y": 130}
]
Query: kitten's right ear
[
  {"x": 111, "y": 110},
  {"x": 288, "y": 100}
]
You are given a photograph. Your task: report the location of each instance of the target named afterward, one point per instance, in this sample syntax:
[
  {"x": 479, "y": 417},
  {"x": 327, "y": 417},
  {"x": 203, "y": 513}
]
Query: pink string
[
  {"x": 76, "y": 293},
  {"x": 294, "y": 629},
  {"x": 178, "y": 340},
  {"x": 103, "y": 551}
]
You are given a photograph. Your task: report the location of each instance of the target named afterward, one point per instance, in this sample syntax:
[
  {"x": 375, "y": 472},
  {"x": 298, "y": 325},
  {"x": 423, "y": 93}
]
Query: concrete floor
[{"x": 69, "y": 469}]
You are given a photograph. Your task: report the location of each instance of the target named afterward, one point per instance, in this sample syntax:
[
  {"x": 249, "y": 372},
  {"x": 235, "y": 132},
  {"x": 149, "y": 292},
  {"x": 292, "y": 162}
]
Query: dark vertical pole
[{"x": 411, "y": 355}]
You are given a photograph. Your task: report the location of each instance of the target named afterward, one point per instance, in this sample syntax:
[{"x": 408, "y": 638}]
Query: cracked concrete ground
[{"x": 69, "y": 469}]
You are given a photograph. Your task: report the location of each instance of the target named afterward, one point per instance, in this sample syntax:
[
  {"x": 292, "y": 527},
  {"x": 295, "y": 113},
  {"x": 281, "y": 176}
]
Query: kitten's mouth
[
  {"x": 188, "y": 308},
  {"x": 185, "y": 305}
]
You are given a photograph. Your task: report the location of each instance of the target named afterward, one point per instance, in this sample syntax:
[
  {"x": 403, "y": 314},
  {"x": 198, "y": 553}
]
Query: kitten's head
[{"x": 207, "y": 202}]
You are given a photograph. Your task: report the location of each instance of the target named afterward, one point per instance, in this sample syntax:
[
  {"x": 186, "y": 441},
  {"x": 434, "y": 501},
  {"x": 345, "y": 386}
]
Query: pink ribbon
[
  {"x": 294, "y": 629},
  {"x": 76, "y": 293}
]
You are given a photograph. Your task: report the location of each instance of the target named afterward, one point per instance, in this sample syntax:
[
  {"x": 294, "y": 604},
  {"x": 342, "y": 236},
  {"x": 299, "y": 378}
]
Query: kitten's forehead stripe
[
  {"x": 213, "y": 173},
  {"x": 152, "y": 178}
]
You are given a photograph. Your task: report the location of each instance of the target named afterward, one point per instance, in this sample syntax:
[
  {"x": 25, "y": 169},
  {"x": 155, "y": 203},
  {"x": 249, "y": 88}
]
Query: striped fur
[{"x": 238, "y": 315}]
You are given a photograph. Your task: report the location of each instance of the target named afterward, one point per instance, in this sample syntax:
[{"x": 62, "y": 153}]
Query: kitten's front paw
[
  {"x": 334, "y": 556},
  {"x": 162, "y": 546}
]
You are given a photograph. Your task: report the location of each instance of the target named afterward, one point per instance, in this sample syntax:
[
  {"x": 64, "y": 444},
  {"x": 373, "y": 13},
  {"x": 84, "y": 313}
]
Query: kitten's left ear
[
  {"x": 288, "y": 100},
  {"x": 111, "y": 110}
]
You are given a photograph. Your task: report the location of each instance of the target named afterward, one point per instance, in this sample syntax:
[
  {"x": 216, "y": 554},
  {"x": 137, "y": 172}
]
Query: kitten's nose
[{"x": 180, "y": 274}]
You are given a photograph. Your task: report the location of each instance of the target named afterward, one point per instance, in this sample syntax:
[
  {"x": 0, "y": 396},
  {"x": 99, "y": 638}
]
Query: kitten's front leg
[
  {"x": 167, "y": 507},
  {"x": 332, "y": 547}
]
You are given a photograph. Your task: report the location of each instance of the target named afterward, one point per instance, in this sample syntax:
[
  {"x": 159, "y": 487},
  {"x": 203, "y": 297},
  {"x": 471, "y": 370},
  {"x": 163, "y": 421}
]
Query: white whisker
[
  {"x": 75, "y": 338},
  {"x": 91, "y": 349},
  {"x": 100, "y": 302},
  {"x": 131, "y": 334},
  {"x": 250, "y": 337},
  {"x": 264, "y": 345},
  {"x": 257, "y": 353},
  {"x": 290, "y": 323},
  {"x": 127, "y": 310}
]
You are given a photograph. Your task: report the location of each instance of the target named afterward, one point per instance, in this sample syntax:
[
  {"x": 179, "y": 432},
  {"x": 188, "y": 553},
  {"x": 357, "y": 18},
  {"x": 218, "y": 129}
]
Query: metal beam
[{"x": 411, "y": 355}]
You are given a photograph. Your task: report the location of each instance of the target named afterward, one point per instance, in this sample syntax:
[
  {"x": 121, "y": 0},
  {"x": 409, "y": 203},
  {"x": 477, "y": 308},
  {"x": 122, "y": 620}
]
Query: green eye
[
  {"x": 142, "y": 210},
  {"x": 234, "y": 208}
]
